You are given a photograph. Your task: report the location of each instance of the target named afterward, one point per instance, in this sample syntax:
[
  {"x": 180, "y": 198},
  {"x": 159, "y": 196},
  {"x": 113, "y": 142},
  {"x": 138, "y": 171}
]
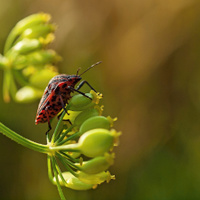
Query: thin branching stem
[
  {"x": 65, "y": 164},
  {"x": 50, "y": 173},
  {"x": 58, "y": 124},
  {"x": 69, "y": 157},
  {"x": 70, "y": 163},
  {"x": 71, "y": 137},
  {"x": 57, "y": 179},
  {"x": 60, "y": 139},
  {"x": 60, "y": 172},
  {"x": 22, "y": 140}
]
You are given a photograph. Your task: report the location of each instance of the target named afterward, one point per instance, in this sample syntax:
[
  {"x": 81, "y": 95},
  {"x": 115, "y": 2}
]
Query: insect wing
[{"x": 46, "y": 97}]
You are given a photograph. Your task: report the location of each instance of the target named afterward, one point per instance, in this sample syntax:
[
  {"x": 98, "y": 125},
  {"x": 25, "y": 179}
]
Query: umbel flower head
[
  {"x": 83, "y": 139},
  {"x": 27, "y": 59},
  {"x": 84, "y": 145}
]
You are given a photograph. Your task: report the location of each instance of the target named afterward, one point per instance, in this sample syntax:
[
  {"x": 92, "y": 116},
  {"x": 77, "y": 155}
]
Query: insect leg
[
  {"x": 61, "y": 114},
  {"x": 62, "y": 103},
  {"x": 73, "y": 89},
  {"x": 63, "y": 106},
  {"x": 67, "y": 120},
  {"x": 82, "y": 83}
]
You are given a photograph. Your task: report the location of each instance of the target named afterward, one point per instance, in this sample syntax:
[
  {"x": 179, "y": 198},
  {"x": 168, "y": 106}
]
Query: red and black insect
[{"x": 57, "y": 94}]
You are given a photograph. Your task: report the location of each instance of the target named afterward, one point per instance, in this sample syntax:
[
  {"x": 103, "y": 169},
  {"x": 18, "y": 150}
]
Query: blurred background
[{"x": 150, "y": 78}]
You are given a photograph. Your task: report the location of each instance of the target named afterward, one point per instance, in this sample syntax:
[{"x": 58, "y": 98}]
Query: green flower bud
[
  {"x": 41, "y": 77},
  {"x": 4, "y": 62},
  {"x": 84, "y": 115},
  {"x": 35, "y": 32},
  {"x": 80, "y": 102},
  {"x": 47, "y": 40},
  {"x": 28, "y": 94},
  {"x": 8, "y": 79},
  {"x": 32, "y": 20},
  {"x": 95, "y": 122},
  {"x": 95, "y": 179},
  {"x": 20, "y": 61},
  {"x": 41, "y": 58},
  {"x": 21, "y": 26},
  {"x": 28, "y": 71},
  {"x": 26, "y": 46},
  {"x": 97, "y": 164},
  {"x": 96, "y": 142},
  {"x": 72, "y": 182}
]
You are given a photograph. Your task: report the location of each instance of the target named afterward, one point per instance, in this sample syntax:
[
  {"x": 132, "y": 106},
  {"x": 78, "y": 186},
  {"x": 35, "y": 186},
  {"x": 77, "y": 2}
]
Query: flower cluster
[
  {"x": 27, "y": 60},
  {"x": 83, "y": 139},
  {"x": 84, "y": 145}
]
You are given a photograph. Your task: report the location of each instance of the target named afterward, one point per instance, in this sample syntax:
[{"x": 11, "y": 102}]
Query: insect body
[{"x": 57, "y": 94}]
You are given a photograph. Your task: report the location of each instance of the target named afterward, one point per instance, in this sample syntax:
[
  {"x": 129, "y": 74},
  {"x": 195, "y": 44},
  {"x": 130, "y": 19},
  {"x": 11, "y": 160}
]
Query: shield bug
[{"x": 57, "y": 94}]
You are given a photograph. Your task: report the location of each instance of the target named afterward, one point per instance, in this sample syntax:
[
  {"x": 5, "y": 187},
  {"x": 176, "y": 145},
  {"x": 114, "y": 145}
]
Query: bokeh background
[{"x": 150, "y": 78}]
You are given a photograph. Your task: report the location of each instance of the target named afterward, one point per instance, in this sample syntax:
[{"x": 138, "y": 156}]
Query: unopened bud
[
  {"x": 41, "y": 30},
  {"x": 28, "y": 94},
  {"x": 32, "y": 20},
  {"x": 94, "y": 178},
  {"x": 26, "y": 46},
  {"x": 79, "y": 102},
  {"x": 21, "y": 26},
  {"x": 97, "y": 164},
  {"x": 41, "y": 77},
  {"x": 95, "y": 122},
  {"x": 97, "y": 141},
  {"x": 72, "y": 182},
  {"x": 37, "y": 58},
  {"x": 84, "y": 115}
]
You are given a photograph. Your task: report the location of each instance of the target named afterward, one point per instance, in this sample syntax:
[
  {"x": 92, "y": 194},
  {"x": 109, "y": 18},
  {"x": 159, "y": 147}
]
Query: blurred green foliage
[{"x": 150, "y": 80}]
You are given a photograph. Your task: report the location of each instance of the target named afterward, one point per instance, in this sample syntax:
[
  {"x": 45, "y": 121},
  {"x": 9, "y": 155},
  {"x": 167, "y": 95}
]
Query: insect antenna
[
  {"x": 90, "y": 67},
  {"x": 78, "y": 70}
]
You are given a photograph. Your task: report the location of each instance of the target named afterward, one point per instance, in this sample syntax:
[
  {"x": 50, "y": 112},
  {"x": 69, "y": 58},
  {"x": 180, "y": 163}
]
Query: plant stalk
[{"x": 23, "y": 141}]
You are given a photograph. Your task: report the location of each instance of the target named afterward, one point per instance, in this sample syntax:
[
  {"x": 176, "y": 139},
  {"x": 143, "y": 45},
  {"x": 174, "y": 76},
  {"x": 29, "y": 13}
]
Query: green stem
[
  {"x": 50, "y": 174},
  {"x": 57, "y": 180},
  {"x": 58, "y": 125},
  {"x": 69, "y": 162},
  {"x": 22, "y": 140},
  {"x": 69, "y": 138},
  {"x": 6, "y": 85},
  {"x": 13, "y": 87},
  {"x": 75, "y": 160},
  {"x": 65, "y": 163},
  {"x": 68, "y": 147},
  {"x": 3, "y": 62},
  {"x": 63, "y": 135},
  {"x": 60, "y": 172},
  {"x": 20, "y": 78}
]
